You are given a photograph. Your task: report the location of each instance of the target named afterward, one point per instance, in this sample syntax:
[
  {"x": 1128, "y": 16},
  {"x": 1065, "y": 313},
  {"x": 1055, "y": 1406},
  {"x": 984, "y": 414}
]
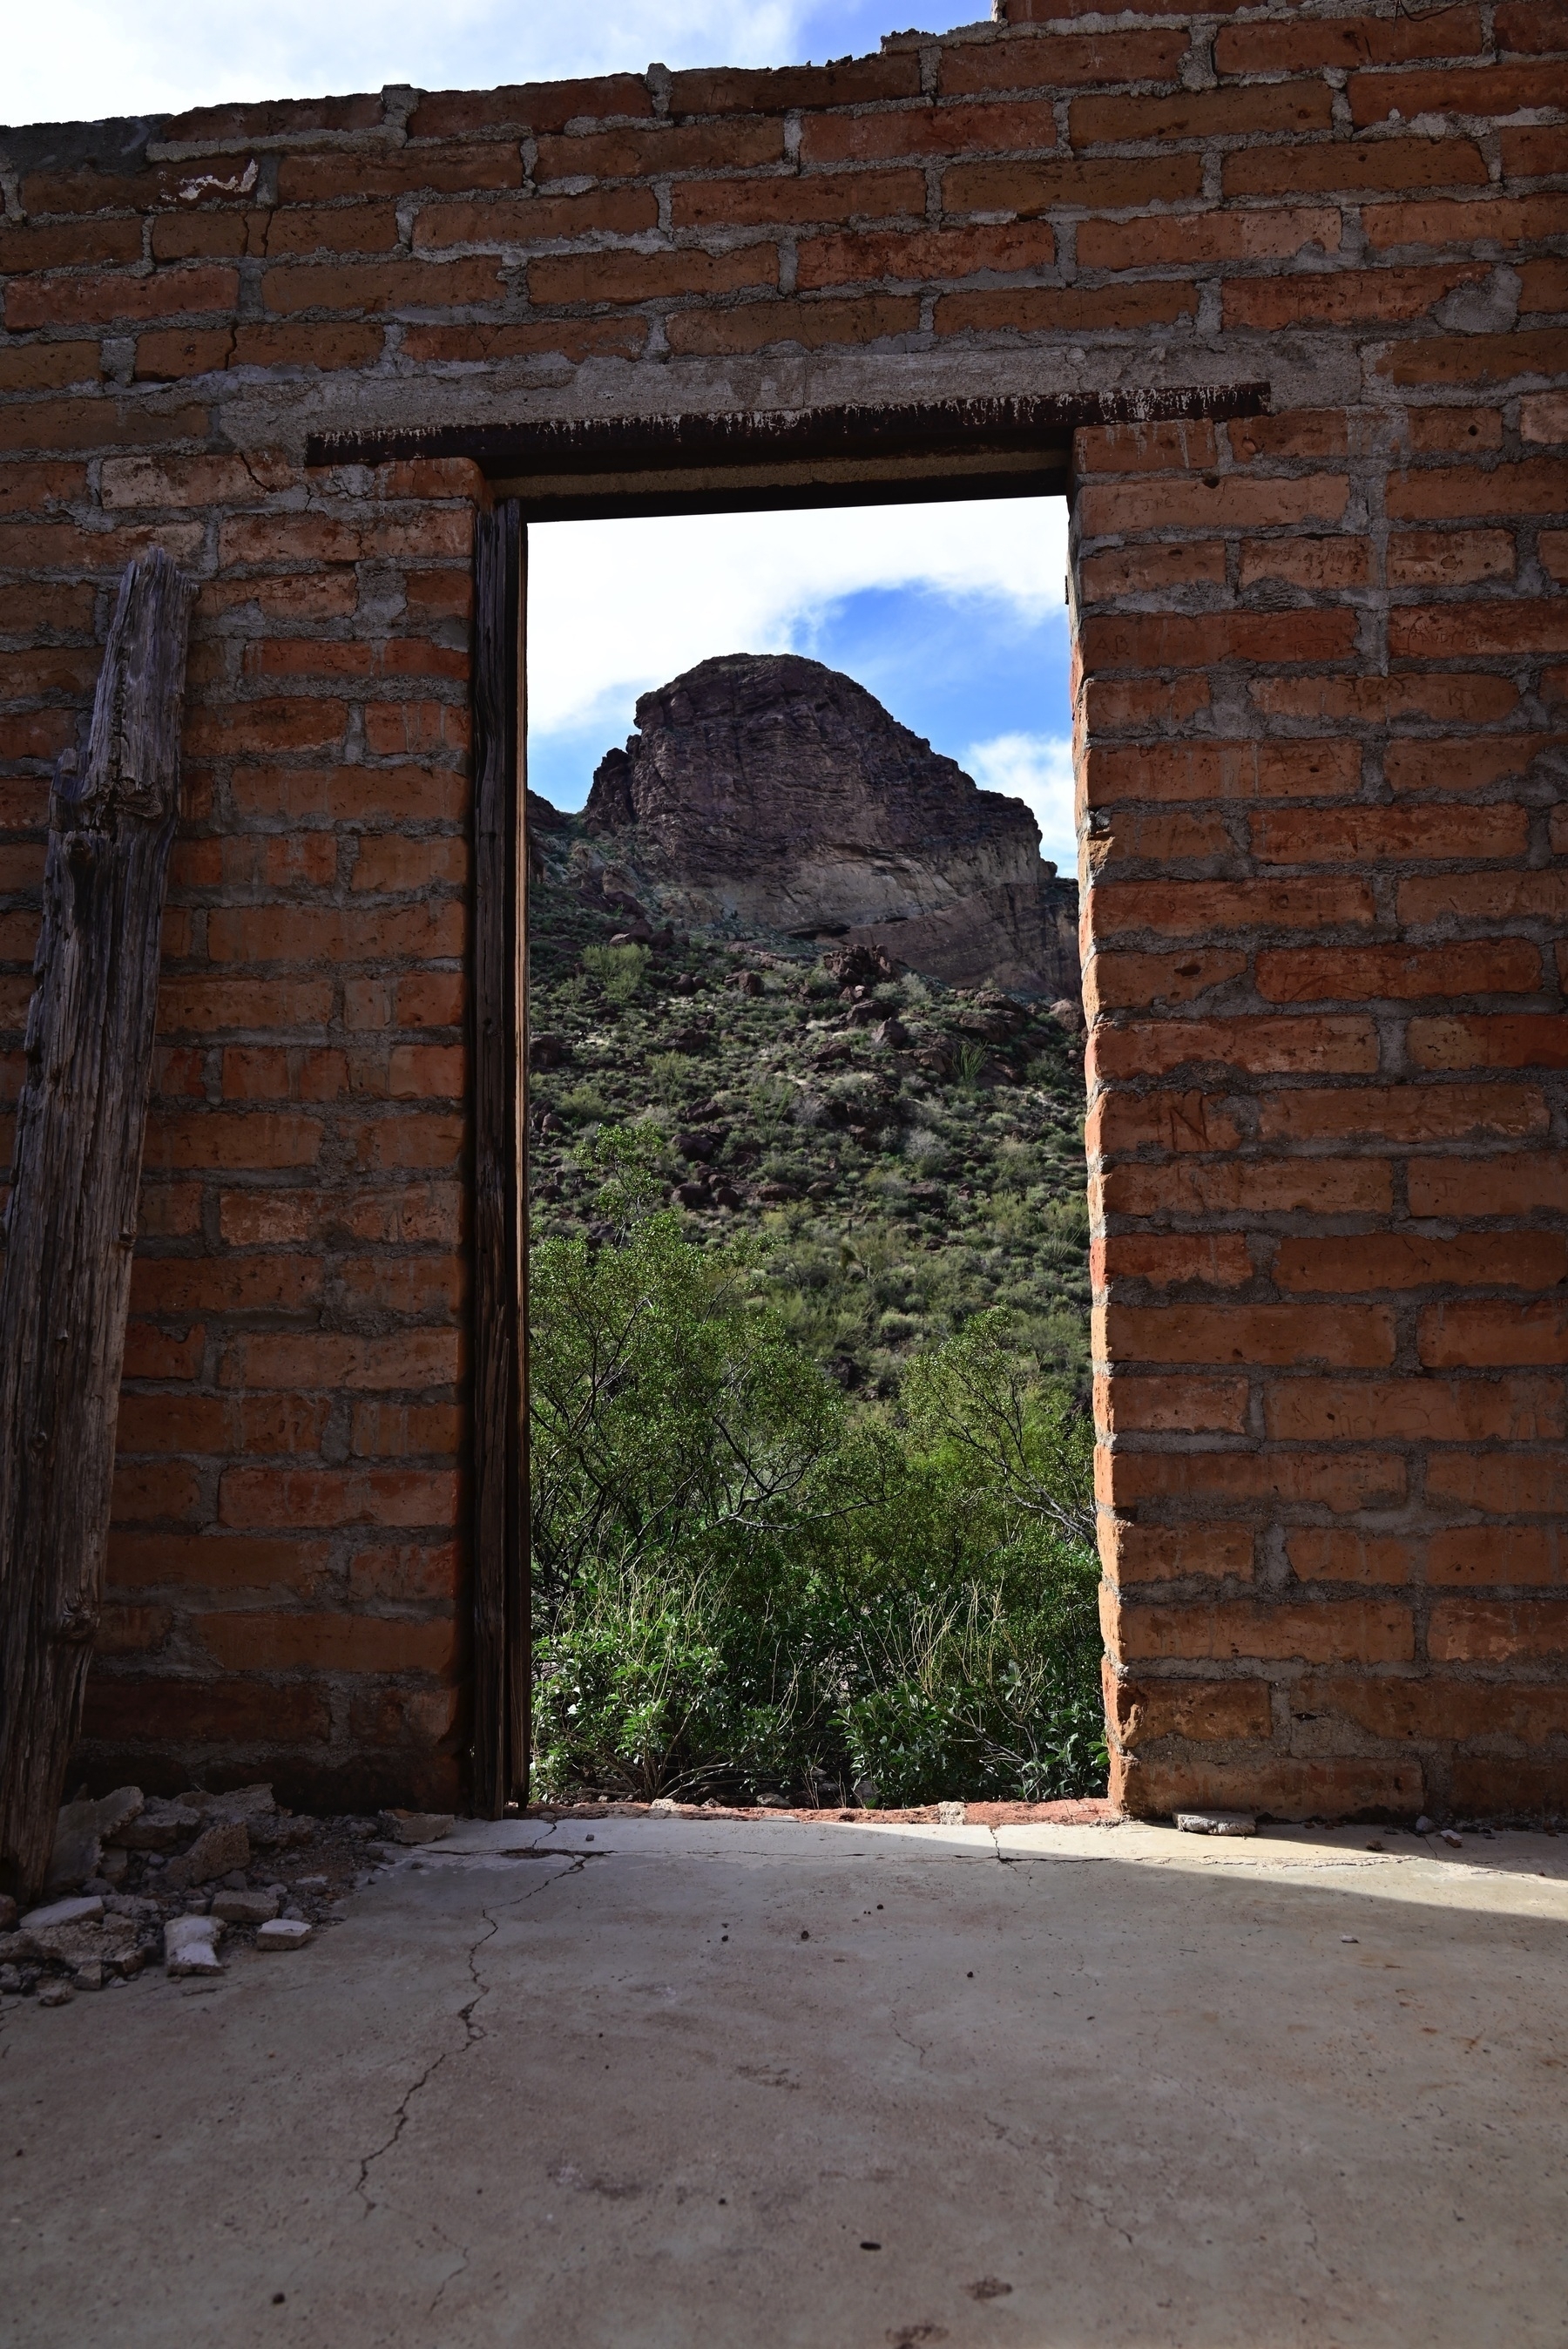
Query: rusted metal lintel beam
[{"x": 554, "y": 446}]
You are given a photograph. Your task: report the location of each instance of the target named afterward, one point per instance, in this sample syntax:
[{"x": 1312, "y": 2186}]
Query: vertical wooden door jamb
[{"x": 500, "y": 1623}]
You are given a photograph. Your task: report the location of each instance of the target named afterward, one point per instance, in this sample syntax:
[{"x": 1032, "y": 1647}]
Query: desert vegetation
[{"x": 812, "y": 1513}]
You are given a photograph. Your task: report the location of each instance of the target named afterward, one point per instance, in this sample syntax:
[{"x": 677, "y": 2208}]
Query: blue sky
[{"x": 952, "y": 616}]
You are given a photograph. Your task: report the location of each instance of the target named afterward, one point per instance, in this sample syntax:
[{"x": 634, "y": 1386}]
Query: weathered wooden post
[{"x": 75, "y": 1174}]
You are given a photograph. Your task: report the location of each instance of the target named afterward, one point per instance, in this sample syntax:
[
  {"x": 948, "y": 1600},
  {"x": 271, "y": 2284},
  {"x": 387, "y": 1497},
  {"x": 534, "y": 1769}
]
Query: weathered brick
[
  {"x": 809, "y": 197},
  {"x": 1360, "y": 835},
  {"x": 914, "y": 255},
  {"x": 756, "y": 326},
  {"x": 1102, "y": 184},
  {"x": 1332, "y": 1045},
  {"x": 1498, "y": 1630},
  {"x": 1111, "y": 307},
  {"x": 1412, "y": 1115},
  {"x": 1067, "y": 59},
  {"x": 1220, "y": 1551},
  {"x": 1224, "y": 771},
  {"x": 1340, "y": 1554},
  {"x": 1471, "y": 1188},
  {"x": 1482, "y": 1556},
  {"x": 1311, "y": 974},
  {"x": 1189, "y": 237},
  {"x": 319, "y": 1642},
  {"x": 660, "y": 149},
  {"x": 1141, "y": 1710},
  {"x": 1353, "y": 167},
  {"x": 1453, "y": 1410},
  {"x": 1201, "y": 114},
  {"x": 1345, "y": 1630},
  {"x": 1463, "y": 1335},
  {"x": 622, "y": 276},
  {"x": 1348, "y": 1337}
]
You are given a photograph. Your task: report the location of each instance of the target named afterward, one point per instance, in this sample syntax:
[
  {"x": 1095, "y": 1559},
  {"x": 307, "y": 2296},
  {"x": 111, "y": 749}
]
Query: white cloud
[
  {"x": 82, "y": 60},
  {"x": 617, "y": 607},
  {"x": 1039, "y": 768}
]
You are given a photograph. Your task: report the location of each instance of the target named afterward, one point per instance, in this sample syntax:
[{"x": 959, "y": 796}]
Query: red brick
[
  {"x": 1362, "y": 40},
  {"x": 220, "y": 1423},
  {"x": 320, "y": 1642},
  {"x": 1412, "y": 1115},
  {"x": 48, "y": 367},
  {"x": 1454, "y": 700},
  {"x": 1172, "y": 1259},
  {"x": 397, "y": 1573},
  {"x": 1532, "y": 153},
  {"x": 95, "y": 423},
  {"x": 1459, "y": 766},
  {"x": 1511, "y": 1485},
  {"x": 620, "y": 276},
  {"x": 1143, "y": 569},
  {"x": 1319, "y": 563},
  {"x": 1220, "y": 1551},
  {"x": 1545, "y": 416},
  {"x": 337, "y": 1496},
  {"x": 1341, "y": 1481},
  {"x": 1454, "y": 1410},
  {"x": 299, "y": 934},
  {"x": 1200, "y": 908},
  {"x": 145, "y": 1491},
  {"x": 1212, "y": 501},
  {"x": 1345, "y": 1630},
  {"x": 1249, "y": 1187},
  {"x": 333, "y": 228},
  {"x": 1497, "y": 1631},
  {"x": 1028, "y": 308},
  {"x": 381, "y": 286},
  {"x": 1426, "y": 558},
  {"x": 1363, "y": 836},
  {"x": 1350, "y": 1337},
  {"x": 1347, "y": 166},
  {"x": 1141, "y": 1712},
  {"x": 1436, "y": 1707},
  {"x": 151, "y": 1353},
  {"x": 416, "y": 1285},
  {"x": 921, "y": 254},
  {"x": 1223, "y": 771},
  {"x": 402, "y": 1431},
  {"x": 1338, "y": 1554},
  {"x": 1492, "y": 219},
  {"x": 1485, "y": 897},
  {"x": 1485, "y": 1786},
  {"x": 1161, "y": 641},
  {"x": 536, "y": 106},
  {"x": 815, "y": 196},
  {"x": 186, "y": 1712},
  {"x": 410, "y": 1142},
  {"x": 1286, "y": 1787},
  {"x": 1468, "y": 1187},
  {"x": 1171, "y": 1405},
  {"x": 1062, "y": 61},
  {"x": 1487, "y": 360},
  {"x": 1518, "y": 1040},
  {"x": 659, "y": 150},
  {"x": 1201, "y": 114},
  {"x": 1480, "y": 1556},
  {"x": 108, "y": 297},
  {"x": 215, "y": 1562},
  {"x": 1019, "y": 126},
  {"x": 849, "y": 81},
  {"x": 1464, "y": 1336},
  {"x": 409, "y": 1362},
  {"x": 756, "y": 325},
  {"x": 263, "y": 1140},
  {"x": 1342, "y": 297},
  {"x": 1313, "y": 974},
  {"x": 1166, "y": 447},
  {"x": 1186, "y": 238},
  {"x": 1458, "y": 91},
  {"x": 1534, "y": 28},
  {"x": 1106, "y": 185},
  {"x": 187, "y": 1285},
  {"x": 1120, "y": 1122},
  {"x": 616, "y": 212},
  {"x": 1343, "y": 1046},
  {"x": 1444, "y": 431},
  {"x": 1532, "y": 486},
  {"x": 573, "y": 340}
]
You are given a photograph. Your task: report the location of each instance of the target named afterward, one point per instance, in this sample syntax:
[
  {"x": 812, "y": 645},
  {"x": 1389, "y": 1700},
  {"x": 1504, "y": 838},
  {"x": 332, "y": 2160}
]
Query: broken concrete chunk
[
  {"x": 950, "y": 1814},
  {"x": 283, "y": 1934},
  {"x": 158, "y": 1827},
  {"x": 190, "y": 1945},
  {"x": 245, "y": 1908},
  {"x": 243, "y": 1802},
  {"x": 417, "y": 1826},
  {"x": 215, "y": 1852},
  {"x": 19, "y": 1948},
  {"x": 55, "y": 1994},
  {"x": 1216, "y": 1823},
  {"x": 81, "y": 1831},
  {"x": 91, "y": 1974},
  {"x": 84, "y": 1911}
]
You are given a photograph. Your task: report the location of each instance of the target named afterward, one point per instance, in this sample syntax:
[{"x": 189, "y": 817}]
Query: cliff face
[{"x": 768, "y": 791}]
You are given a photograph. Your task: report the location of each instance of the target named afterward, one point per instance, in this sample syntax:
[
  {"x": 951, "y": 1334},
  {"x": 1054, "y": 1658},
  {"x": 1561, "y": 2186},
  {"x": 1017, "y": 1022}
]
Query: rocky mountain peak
[{"x": 766, "y": 792}]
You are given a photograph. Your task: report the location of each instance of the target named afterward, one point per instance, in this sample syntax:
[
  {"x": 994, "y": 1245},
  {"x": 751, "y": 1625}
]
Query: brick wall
[{"x": 1321, "y": 677}]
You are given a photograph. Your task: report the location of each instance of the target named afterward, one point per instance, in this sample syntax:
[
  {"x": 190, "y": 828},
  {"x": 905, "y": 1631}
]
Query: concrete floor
[{"x": 1031, "y": 2088}]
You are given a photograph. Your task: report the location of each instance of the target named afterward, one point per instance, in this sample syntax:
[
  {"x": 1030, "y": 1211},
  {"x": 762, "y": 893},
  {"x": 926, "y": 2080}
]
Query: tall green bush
[{"x": 741, "y": 1585}]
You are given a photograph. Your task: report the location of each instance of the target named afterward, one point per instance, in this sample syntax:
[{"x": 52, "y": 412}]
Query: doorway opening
[{"x": 805, "y": 1492}]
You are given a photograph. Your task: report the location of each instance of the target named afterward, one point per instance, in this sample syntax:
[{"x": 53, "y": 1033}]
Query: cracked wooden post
[{"x": 75, "y": 1175}]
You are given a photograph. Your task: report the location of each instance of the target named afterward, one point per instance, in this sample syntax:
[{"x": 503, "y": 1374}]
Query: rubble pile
[{"x": 139, "y": 1880}]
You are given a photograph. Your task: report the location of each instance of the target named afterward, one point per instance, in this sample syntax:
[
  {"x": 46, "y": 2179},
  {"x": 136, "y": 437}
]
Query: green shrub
[
  {"x": 740, "y": 1585},
  {"x": 618, "y": 969}
]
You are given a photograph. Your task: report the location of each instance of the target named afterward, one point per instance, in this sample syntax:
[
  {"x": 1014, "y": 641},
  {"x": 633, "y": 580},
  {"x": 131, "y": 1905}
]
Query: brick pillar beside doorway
[{"x": 1326, "y": 1095}]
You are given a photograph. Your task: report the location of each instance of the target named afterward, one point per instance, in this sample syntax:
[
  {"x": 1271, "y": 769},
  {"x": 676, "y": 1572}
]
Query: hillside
[{"x": 897, "y": 1153}]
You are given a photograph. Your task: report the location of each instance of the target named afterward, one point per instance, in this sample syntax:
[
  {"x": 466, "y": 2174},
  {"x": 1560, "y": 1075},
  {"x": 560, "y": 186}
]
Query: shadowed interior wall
[{"x": 1322, "y": 687}]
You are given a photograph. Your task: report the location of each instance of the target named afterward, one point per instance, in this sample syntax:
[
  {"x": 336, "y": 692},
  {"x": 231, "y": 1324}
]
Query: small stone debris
[
  {"x": 950, "y": 1814},
  {"x": 1216, "y": 1823},
  {"x": 1424, "y": 1825},
  {"x": 84, "y": 1911},
  {"x": 1452, "y": 1837},
  {"x": 190, "y": 1945},
  {"x": 216, "y": 1851},
  {"x": 55, "y": 1993},
  {"x": 416, "y": 1826},
  {"x": 245, "y": 1908},
  {"x": 81, "y": 1831},
  {"x": 283, "y": 1934}
]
